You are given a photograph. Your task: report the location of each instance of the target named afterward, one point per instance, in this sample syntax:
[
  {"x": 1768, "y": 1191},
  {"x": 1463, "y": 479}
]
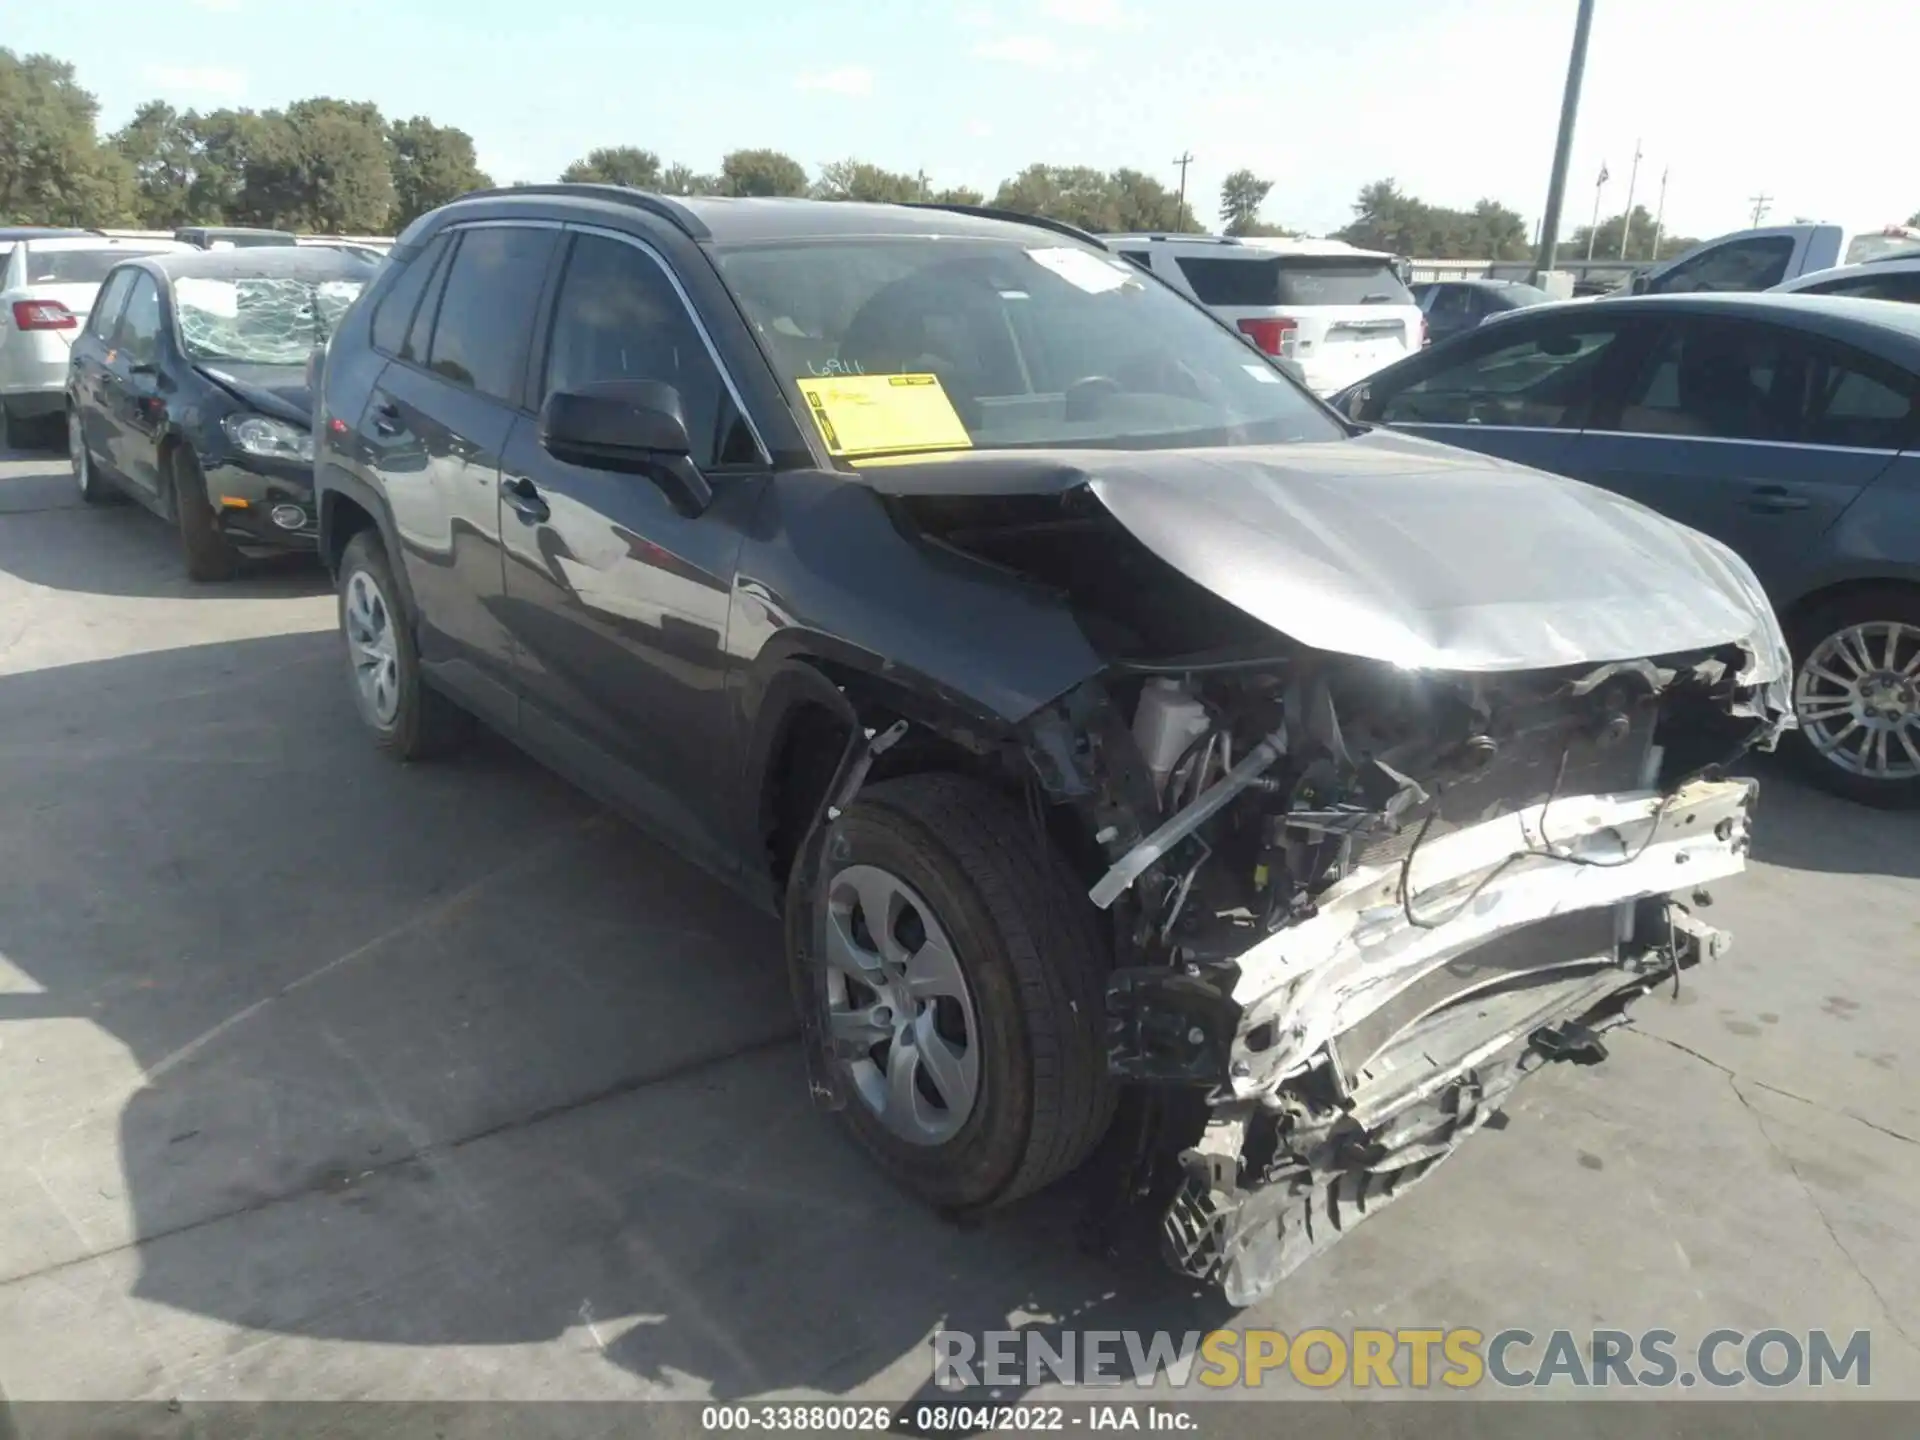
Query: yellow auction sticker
[{"x": 870, "y": 414}]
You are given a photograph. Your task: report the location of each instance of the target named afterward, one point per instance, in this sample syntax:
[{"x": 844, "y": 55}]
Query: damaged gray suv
[{"x": 1137, "y": 752}]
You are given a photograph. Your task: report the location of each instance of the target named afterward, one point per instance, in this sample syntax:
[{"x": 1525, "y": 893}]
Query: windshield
[
  {"x": 76, "y": 267},
  {"x": 1035, "y": 345},
  {"x": 258, "y": 321}
]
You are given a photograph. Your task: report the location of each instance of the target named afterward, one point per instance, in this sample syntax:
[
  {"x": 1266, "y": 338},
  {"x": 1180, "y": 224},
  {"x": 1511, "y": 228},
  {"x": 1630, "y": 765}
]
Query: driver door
[{"x": 132, "y": 389}]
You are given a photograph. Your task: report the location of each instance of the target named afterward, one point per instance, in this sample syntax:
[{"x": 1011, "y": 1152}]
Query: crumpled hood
[
  {"x": 1399, "y": 549},
  {"x": 277, "y": 390}
]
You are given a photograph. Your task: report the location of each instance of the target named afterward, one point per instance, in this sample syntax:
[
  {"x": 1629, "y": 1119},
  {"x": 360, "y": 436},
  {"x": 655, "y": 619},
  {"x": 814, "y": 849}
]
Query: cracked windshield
[{"x": 259, "y": 321}]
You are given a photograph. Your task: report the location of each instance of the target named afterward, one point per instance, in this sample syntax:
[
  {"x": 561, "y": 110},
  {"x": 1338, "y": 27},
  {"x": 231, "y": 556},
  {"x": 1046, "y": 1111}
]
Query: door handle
[
  {"x": 386, "y": 418},
  {"x": 1774, "y": 500},
  {"x": 524, "y": 499}
]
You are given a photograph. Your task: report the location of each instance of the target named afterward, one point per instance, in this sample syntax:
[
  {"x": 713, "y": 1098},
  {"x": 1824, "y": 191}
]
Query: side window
[
  {"x": 138, "y": 335},
  {"x": 1142, "y": 258},
  {"x": 1897, "y": 285},
  {"x": 618, "y": 317},
  {"x": 1757, "y": 264},
  {"x": 1544, "y": 381},
  {"x": 486, "y": 309},
  {"x": 395, "y": 316},
  {"x": 1451, "y": 302},
  {"x": 1748, "y": 382},
  {"x": 106, "y": 306}
]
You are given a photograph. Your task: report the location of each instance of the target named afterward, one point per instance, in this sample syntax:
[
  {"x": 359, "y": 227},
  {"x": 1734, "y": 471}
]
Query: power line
[
  {"x": 1183, "y": 161},
  {"x": 1760, "y": 203}
]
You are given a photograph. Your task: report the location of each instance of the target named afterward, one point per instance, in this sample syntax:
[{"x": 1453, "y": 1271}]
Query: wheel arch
[{"x": 345, "y": 505}]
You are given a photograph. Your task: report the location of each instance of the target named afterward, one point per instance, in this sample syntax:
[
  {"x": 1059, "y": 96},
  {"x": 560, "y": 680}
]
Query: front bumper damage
[{"x": 1350, "y": 1053}]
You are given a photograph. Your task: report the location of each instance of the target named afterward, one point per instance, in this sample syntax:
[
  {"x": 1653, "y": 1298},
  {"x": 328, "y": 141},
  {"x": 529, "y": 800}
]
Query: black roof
[
  {"x": 216, "y": 231},
  {"x": 1479, "y": 282},
  {"x": 728, "y": 220},
  {"x": 1891, "y": 331},
  {"x": 271, "y": 262}
]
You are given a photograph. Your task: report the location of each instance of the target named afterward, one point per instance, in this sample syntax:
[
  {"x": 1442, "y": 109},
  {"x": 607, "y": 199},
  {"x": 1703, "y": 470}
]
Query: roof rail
[
  {"x": 993, "y": 212},
  {"x": 664, "y": 206}
]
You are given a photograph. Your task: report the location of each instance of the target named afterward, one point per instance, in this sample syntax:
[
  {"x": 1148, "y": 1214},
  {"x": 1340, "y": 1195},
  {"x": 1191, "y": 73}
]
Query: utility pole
[
  {"x": 1759, "y": 207},
  {"x": 1563, "y": 146},
  {"x": 1180, "y": 210},
  {"x": 1626, "y": 223},
  {"x": 1660, "y": 214},
  {"x": 1594, "y": 229}
]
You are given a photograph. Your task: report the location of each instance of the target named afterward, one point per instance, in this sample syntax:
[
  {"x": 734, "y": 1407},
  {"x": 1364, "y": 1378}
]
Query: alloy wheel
[
  {"x": 371, "y": 648},
  {"x": 898, "y": 1006},
  {"x": 1858, "y": 699}
]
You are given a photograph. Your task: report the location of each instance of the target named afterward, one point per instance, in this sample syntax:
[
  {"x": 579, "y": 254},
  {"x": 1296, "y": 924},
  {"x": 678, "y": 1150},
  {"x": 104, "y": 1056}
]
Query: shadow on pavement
[
  {"x": 128, "y": 549},
  {"x": 438, "y": 1056},
  {"x": 1808, "y": 829}
]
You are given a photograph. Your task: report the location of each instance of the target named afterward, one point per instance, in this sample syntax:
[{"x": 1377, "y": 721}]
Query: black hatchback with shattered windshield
[
  {"x": 1134, "y": 748},
  {"x": 188, "y": 392}
]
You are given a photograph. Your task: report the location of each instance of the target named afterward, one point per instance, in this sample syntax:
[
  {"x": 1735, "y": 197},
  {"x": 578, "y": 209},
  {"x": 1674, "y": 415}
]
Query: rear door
[
  {"x": 435, "y": 427},
  {"x": 1521, "y": 390},
  {"x": 1757, "y": 434},
  {"x": 1341, "y": 317},
  {"x": 87, "y": 374}
]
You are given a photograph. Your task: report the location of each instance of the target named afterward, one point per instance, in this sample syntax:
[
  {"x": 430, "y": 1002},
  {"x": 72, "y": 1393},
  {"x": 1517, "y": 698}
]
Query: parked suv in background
[
  {"x": 1038, "y": 650},
  {"x": 47, "y": 286},
  {"x": 1337, "y": 312}
]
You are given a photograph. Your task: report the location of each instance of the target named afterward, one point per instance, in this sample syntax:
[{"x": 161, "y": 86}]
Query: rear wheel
[
  {"x": 1856, "y": 694},
  {"x": 208, "y": 553},
  {"x": 964, "y": 992},
  {"x": 93, "y": 489},
  {"x": 410, "y": 720}
]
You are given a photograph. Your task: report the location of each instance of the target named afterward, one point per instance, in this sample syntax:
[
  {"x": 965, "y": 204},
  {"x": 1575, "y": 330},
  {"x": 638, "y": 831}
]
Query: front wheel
[
  {"x": 209, "y": 555},
  {"x": 963, "y": 994},
  {"x": 1856, "y": 694}
]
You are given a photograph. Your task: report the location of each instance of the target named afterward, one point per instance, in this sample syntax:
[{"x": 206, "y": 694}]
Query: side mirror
[
  {"x": 633, "y": 427},
  {"x": 1356, "y": 403},
  {"x": 1637, "y": 285}
]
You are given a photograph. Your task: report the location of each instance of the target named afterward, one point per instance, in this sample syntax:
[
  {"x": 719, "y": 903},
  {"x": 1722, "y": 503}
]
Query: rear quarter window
[{"x": 1247, "y": 280}]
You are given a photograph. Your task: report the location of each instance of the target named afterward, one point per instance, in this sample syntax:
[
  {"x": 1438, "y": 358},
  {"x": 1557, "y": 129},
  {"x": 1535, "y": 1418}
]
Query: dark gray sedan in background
[{"x": 1787, "y": 426}]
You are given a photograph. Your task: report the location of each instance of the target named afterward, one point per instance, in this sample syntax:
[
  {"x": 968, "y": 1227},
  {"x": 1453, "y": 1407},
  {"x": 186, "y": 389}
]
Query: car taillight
[
  {"x": 43, "y": 315},
  {"x": 1274, "y": 337}
]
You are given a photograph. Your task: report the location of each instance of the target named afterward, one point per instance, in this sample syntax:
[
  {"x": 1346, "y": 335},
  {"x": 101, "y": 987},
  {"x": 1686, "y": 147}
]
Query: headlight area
[{"x": 270, "y": 439}]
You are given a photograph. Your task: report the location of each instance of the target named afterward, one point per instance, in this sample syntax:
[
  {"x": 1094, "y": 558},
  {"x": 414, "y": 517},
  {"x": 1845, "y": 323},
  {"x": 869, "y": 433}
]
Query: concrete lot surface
[{"x": 324, "y": 1078}]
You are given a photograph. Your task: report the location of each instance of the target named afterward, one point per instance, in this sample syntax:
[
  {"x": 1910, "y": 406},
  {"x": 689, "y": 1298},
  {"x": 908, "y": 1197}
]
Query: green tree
[
  {"x": 1387, "y": 218},
  {"x": 858, "y": 180},
  {"x": 159, "y": 143},
  {"x": 431, "y": 165},
  {"x": 957, "y": 195},
  {"x": 1141, "y": 202},
  {"x": 224, "y": 144},
  {"x": 678, "y": 179},
  {"x": 762, "y": 172},
  {"x": 53, "y": 168},
  {"x": 320, "y": 165},
  {"x": 616, "y": 165},
  {"x": 1241, "y": 195},
  {"x": 1073, "y": 193}
]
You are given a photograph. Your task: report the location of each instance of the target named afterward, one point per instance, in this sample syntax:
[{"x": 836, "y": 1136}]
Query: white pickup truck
[{"x": 1763, "y": 258}]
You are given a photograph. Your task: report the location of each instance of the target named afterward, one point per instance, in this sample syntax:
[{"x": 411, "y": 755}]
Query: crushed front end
[{"x": 1353, "y": 904}]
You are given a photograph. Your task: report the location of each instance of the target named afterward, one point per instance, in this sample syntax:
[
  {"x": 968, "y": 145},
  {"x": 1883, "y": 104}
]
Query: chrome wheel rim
[
  {"x": 1857, "y": 697},
  {"x": 898, "y": 1008},
  {"x": 371, "y": 649},
  {"x": 77, "y": 452}
]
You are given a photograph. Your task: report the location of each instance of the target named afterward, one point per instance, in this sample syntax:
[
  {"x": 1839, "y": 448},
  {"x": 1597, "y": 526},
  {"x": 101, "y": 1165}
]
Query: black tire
[
  {"x": 1034, "y": 963},
  {"x": 209, "y": 556},
  {"x": 94, "y": 488},
  {"x": 424, "y": 723},
  {"x": 1882, "y": 605}
]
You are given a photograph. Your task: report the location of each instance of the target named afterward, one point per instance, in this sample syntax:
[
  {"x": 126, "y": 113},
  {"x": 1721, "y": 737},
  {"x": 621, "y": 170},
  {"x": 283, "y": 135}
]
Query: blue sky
[{"x": 1455, "y": 98}]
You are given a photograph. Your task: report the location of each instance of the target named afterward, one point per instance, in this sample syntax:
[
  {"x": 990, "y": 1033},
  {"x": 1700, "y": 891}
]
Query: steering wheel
[{"x": 1084, "y": 396}]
